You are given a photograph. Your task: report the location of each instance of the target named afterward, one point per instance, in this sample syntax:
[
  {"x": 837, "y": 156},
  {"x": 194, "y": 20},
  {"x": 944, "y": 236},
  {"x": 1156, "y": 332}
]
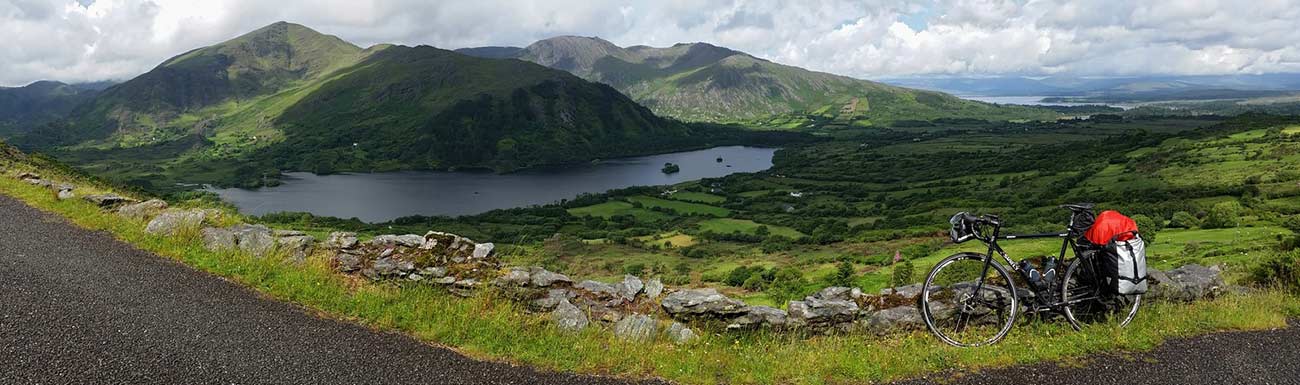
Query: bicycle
[{"x": 969, "y": 299}]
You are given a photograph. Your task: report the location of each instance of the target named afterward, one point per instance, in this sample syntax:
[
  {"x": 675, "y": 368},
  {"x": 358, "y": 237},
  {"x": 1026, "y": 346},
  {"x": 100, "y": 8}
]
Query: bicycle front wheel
[
  {"x": 967, "y": 304},
  {"x": 1086, "y": 301}
]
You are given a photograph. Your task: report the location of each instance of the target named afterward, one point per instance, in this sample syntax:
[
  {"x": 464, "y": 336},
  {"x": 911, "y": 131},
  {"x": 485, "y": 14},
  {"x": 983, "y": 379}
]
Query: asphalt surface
[
  {"x": 1270, "y": 357},
  {"x": 78, "y": 307}
]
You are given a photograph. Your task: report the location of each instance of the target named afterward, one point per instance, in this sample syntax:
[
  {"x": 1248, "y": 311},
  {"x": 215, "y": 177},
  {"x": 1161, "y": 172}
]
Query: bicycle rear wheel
[
  {"x": 1086, "y": 301},
  {"x": 961, "y": 311}
]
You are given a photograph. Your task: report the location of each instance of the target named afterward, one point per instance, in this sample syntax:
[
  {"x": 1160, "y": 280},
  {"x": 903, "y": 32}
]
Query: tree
[
  {"x": 682, "y": 268},
  {"x": 776, "y": 243},
  {"x": 634, "y": 269},
  {"x": 787, "y": 284},
  {"x": 1184, "y": 220},
  {"x": 1292, "y": 223},
  {"x": 738, "y": 276},
  {"x": 1222, "y": 215},
  {"x": 1147, "y": 227},
  {"x": 902, "y": 273},
  {"x": 843, "y": 274}
]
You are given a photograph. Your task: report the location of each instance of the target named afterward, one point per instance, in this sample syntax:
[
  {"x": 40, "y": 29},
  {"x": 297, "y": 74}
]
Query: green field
[
  {"x": 685, "y": 208},
  {"x": 610, "y": 209},
  {"x": 697, "y": 197},
  {"x": 728, "y": 225}
]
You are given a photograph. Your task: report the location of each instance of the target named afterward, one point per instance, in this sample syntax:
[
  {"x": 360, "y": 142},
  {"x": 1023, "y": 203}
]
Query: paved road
[
  {"x": 78, "y": 307},
  {"x": 1269, "y": 357}
]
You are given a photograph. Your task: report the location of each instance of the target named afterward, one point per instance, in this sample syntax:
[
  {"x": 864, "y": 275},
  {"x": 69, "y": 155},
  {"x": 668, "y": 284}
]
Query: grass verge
[{"x": 490, "y": 328}]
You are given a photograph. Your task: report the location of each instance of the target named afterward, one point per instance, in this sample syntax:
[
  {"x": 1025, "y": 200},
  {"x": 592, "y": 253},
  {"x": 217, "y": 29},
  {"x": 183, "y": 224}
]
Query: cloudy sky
[{"x": 89, "y": 40}]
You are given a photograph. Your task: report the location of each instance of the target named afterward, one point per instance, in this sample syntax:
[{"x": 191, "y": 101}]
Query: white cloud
[{"x": 117, "y": 39}]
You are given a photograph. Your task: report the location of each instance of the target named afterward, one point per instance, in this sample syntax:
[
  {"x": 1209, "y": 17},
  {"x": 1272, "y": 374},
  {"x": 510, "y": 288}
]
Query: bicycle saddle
[{"x": 1077, "y": 206}]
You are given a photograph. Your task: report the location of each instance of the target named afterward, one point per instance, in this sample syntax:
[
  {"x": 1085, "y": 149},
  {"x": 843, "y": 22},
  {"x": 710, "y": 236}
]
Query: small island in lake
[
  {"x": 719, "y": 159},
  {"x": 670, "y": 168}
]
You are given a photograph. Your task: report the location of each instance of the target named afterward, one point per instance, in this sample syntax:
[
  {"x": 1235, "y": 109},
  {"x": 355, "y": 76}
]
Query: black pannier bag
[
  {"x": 1123, "y": 265},
  {"x": 1080, "y": 222}
]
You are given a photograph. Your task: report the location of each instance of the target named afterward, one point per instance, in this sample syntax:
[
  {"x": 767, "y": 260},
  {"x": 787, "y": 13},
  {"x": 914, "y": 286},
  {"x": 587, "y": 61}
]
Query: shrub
[
  {"x": 843, "y": 275},
  {"x": 1147, "y": 227},
  {"x": 1282, "y": 270},
  {"x": 776, "y": 243},
  {"x": 1184, "y": 220},
  {"x": 634, "y": 269},
  {"x": 902, "y": 273},
  {"x": 787, "y": 284},
  {"x": 1222, "y": 215},
  {"x": 738, "y": 276},
  {"x": 1292, "y": 223}
]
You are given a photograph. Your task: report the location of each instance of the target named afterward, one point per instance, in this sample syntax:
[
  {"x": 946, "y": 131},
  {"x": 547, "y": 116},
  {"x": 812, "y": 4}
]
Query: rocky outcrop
[
  {"x": 680, "y": 334},
  {"x": 259, "y": 240},
  {"x": 342, "y": 240},
  {"x": 654, "y": 288},
  {"x": 599, "y": 289},
  {"x": 629, "y": 288},
  {"x": 436, "y": 258},
  {"x": 253, "y": 239},
  {"x": 696, "y": 303},
  {"x": 408, "y": 240},
  {"x": 568, "y": 317},
  {"x": 108, "y": 201},
  {"x": 173, "y": 221},
  {"x": 142, "y": 210},
  {"x": 63, "y": 191},
  {"x": 217, "y": 239},
  {"x": 896, "y": 318},
  {"x": 635, "y": 327},
  {"x": 1186, "y": 284},
  {"x": 540, "y": 277},
  {"x": 297, "y": 247},
  {"x": 760, "y": 317}
]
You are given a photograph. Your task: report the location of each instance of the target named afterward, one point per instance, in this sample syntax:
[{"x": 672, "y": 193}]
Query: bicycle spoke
[{"x": 963, "y": 311}]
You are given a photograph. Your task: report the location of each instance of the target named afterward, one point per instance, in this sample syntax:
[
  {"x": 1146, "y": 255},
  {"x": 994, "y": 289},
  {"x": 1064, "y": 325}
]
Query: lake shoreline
[{"x": 384, "y": 196}]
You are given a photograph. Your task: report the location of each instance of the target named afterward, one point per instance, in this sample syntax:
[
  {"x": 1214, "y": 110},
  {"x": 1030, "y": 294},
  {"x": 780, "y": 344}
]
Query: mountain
[
  {"x": 427, "y": 106},
  {"x": 287, "y": 98},
  {"x": 703, "y": 82},
  {"x": 163, "y": 103},
  {"x": 22, "y": 108}
]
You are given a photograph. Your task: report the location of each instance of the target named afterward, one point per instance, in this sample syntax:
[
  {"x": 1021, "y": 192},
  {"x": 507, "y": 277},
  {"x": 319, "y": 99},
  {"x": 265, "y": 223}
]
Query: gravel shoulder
[{"x": 78, "y": 306}]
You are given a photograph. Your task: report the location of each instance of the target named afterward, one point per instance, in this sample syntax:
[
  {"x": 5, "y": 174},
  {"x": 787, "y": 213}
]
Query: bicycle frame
[{"x": 1067, "y": 243}]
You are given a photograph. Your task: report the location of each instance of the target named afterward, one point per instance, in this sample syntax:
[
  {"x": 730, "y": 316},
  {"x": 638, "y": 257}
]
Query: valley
[{"x": 733, "y": 193}]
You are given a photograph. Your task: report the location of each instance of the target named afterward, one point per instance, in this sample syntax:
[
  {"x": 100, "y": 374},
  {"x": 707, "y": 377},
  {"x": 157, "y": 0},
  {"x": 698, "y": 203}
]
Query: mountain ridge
[
  {"x": 287, "y": 98},
  {"x": 705, "y": 82}
]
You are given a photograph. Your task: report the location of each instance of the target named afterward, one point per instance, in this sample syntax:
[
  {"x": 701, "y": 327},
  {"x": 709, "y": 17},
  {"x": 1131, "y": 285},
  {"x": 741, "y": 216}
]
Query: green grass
[
  {"x": 486, "y": 327},
  {"x": 683, "y": 208},
  {"x": 674, "y": 239},
  {"x": 612, "y": 208},
  {"x": 728, "y": 225},
  {"x": 697, "y": 197}
]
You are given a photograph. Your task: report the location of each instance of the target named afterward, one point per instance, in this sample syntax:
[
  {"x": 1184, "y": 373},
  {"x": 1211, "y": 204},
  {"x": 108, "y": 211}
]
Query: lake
[
  {"x": 380, "y": 197},
  {"x": 1035, "y": 101}
]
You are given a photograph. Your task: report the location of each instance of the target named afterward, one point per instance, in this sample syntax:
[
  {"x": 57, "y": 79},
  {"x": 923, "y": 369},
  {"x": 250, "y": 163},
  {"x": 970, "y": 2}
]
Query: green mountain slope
[
  {"x": 702, "y": 82},
  {"x": 22, "y": 108},
  {"x": 286, "y": 98},
  {"x": 432, "y": 108},
  {"x": 169, "y": 101}
]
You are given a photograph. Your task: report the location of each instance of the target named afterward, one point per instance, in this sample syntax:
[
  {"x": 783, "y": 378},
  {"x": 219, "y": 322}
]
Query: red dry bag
[{"x": 1109, "y": 224}]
